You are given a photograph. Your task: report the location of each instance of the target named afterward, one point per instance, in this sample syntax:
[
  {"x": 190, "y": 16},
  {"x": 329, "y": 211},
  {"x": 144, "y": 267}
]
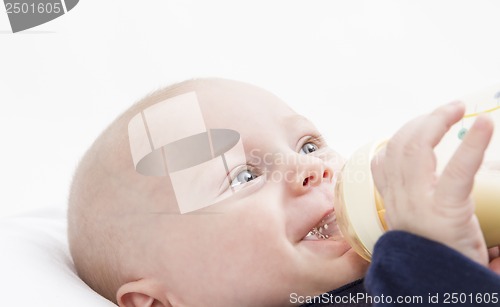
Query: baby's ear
[{"x": 142, "y": 293}]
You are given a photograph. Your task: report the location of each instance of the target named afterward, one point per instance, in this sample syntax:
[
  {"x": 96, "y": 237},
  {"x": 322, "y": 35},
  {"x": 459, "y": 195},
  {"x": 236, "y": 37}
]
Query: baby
[{"x": 242, "y": 214}]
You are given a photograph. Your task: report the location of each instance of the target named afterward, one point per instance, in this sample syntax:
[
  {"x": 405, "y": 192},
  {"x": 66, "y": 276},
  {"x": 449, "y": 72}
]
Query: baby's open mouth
[{"x": 325, "y": 229}]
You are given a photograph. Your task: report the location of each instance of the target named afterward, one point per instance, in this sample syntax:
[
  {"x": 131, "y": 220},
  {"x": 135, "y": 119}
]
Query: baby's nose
[
  {"x": 314, "y": 179},
  {"x": 311, "y": 174}
]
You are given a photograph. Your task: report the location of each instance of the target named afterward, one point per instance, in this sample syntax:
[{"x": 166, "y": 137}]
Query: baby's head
[{"x": 229, "y": 231}]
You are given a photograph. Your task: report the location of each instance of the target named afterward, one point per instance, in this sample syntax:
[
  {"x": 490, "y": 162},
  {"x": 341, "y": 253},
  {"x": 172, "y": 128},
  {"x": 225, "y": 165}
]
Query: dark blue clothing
[
  {"x": 422, "y": 272},
  {"x": 349, "y": 295}
]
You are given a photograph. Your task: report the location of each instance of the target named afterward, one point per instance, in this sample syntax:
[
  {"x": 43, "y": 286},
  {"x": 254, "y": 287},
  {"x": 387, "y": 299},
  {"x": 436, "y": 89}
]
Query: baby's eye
[
  {"x": 243, "y": 177},
  {"x": 308, "y": 148}
]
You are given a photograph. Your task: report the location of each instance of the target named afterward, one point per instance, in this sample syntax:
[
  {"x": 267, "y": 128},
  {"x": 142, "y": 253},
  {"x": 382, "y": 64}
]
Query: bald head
[
  {"x": 112, "y": 207},
  {"x": 110, "y": 203}
]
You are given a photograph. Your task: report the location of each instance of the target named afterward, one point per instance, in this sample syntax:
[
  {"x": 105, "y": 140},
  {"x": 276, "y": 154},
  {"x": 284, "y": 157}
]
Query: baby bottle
[{"x": 360, "y": 209}]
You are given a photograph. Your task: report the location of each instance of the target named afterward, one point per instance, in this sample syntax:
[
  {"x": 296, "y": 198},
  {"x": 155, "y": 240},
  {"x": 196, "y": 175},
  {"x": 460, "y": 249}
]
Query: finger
[
  {"x": 427, "y": 129},
  {"x": 457, "y": 179},
  {"x": 409, "y": 161},
  {"x": 440, "y": 121},
  {"x": 418, "y": 164}
]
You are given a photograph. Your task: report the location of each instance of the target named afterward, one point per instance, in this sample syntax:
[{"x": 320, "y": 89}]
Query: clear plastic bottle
[{"x": 360, "y": 209}]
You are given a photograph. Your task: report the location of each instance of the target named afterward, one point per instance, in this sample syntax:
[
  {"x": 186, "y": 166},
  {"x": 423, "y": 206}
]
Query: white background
[{"x": 358, "y": 69}]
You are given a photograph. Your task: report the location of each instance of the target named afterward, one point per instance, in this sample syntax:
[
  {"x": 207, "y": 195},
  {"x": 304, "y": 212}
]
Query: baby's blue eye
[
  {"x": 243, "y": 177},
  {"x": 308, "y": 148}
]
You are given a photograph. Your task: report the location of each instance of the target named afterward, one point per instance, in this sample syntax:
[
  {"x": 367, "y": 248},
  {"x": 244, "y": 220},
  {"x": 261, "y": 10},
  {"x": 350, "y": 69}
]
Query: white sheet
[{"x": 35, "y": 265}]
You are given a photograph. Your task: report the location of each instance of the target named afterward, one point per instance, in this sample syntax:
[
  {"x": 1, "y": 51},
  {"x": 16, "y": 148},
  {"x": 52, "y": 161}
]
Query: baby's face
[{"x": 253, "y": 248}]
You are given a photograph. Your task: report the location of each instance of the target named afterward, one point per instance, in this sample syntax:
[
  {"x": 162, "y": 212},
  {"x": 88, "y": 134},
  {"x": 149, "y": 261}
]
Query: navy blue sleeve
[
  {"x": 350, "y": 295},
  {"x": 427, "y": 273}
]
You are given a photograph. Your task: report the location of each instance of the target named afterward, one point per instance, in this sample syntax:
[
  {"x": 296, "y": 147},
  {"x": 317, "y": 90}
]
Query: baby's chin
[
  {"x": 358, "y": 263},
  {"x": 325, "y": 280},
  {"x": 334, "y": 264}
]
